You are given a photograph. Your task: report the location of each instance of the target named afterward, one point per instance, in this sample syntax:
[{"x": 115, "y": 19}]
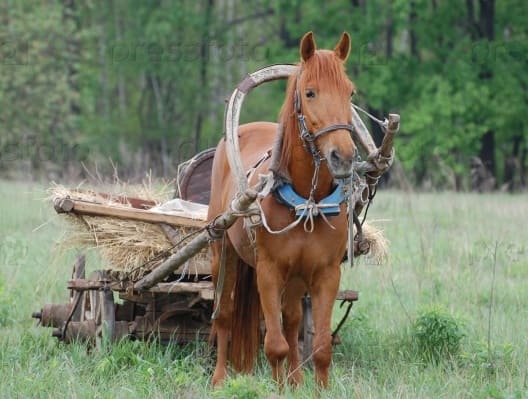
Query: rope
[
  {"x": 383, "y": 123},
  {"x": 283, "y": 230},
  {"x": 370, "y": 198}
]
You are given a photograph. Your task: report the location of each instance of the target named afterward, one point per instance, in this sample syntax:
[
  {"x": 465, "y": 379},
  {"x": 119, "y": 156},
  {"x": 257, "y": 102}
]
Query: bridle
[{"x": 310, "y": 138}]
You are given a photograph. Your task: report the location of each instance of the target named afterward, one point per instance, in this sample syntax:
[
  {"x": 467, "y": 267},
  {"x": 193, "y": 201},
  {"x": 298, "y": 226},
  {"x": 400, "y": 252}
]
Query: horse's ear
[
  {"x": 308, "y": 46},
  {"x": 342, "y": 49}
]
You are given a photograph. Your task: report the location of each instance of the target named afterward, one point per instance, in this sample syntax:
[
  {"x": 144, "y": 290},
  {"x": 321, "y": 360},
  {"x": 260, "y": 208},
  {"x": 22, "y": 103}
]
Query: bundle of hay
[
  {"x": 378, "y": 243},
  {"x": 129, "y": 248}
]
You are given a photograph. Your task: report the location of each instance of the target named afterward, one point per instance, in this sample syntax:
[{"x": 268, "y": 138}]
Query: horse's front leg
[
  {"x": 270, "y": 285},
  {"x": 324, "y": 291},
  {"x": 291, "y": 319}
]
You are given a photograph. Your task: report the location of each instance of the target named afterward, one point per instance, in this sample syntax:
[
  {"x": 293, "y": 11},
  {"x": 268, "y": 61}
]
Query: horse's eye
[{"x": 310, "y": 93}]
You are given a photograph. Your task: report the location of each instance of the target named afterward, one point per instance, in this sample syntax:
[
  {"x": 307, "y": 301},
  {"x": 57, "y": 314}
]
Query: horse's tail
[{"x": 245, "y": 328}]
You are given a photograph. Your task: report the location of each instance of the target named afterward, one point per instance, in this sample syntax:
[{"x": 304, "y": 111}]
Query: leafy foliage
[
  {"x": 240, "y": 387},
  {"x": 144, "y": 83},
  {"x": 437, "y": 334}
]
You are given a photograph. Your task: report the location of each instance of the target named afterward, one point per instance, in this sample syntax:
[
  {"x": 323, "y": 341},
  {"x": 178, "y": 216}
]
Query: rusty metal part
[
  {"x": 53, "y": 314},
  {"x": 77, "y": 331}
]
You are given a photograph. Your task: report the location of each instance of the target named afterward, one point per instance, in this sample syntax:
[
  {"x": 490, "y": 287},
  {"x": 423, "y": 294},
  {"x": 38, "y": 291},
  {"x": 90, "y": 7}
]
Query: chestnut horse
[{"x": 273, "y": 273}]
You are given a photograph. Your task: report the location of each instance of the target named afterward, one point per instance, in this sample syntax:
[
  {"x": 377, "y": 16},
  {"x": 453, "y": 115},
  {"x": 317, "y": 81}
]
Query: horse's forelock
[{"x": 327, "y": 70}]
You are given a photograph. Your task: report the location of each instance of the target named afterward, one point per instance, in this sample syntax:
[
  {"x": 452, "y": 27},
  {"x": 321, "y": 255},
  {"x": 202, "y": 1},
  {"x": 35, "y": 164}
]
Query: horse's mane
[{"x": 325, "y": 69}]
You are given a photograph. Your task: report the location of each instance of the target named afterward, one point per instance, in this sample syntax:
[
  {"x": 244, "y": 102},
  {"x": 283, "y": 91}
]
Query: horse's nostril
[{"x": 334, "y": 156}]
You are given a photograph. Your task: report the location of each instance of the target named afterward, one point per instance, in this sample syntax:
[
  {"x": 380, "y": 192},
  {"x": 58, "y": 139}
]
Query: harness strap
[
  {"x": 221, "y": 278},
  {"x": 328, "y": 205},
  {"x": 331, "y": 129}
]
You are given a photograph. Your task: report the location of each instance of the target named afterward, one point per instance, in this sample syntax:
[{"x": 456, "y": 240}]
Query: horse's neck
[{"x": 301, "y": 169}]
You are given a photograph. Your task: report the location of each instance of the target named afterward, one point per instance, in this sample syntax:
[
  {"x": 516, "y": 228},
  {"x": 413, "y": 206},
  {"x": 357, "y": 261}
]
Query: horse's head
[{"x": 322, "y": 96}]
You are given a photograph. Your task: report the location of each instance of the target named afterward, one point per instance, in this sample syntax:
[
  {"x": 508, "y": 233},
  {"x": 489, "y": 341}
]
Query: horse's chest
[{"x": 320, "y": 248}]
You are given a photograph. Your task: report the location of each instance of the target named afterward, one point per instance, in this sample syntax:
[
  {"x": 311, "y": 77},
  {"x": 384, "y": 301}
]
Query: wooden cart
[
  {"x": 167, "y": 303},
  {"x": 103, "y": 307}
]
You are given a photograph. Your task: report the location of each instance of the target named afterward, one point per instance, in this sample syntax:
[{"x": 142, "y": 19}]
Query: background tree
[{"x": 144, "y": 83}]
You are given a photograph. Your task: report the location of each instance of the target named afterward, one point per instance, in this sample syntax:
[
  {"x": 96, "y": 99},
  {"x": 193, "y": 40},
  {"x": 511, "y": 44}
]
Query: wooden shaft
[
  {"x": 232, "y": 115},
  {"x": 388, "y": 140},
  {"x": 364, "y": 138},
  {"x": 221, "y": 223},
  {"x": 385, "y": 150}
]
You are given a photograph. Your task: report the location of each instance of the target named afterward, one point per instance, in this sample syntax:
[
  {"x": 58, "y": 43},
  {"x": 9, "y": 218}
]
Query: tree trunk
[
  {"x": 483, "y": 29},
  {"x": 513, "y": 166},
  {"x": 523, "y": 157},
  {"x": 288, "y": 41},
  {"x": 204, "y": 57},
  {"x": 70, "y": 15},
  {"x": 487, "y": 31},
  {"x": 487, "y": 150},
  {"x": 413, "y": 42},
  {"x": 121, "y": 88}
]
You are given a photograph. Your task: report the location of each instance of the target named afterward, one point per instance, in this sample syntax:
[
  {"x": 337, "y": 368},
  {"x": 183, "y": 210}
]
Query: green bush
[
  {"x": 437, "y": 334},
  {"x": 240, "y": 387}
]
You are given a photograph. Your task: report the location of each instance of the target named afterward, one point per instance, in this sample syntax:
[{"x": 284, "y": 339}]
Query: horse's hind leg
[
  {"x": 222, "y": 323},
  {"x": 291, "y": 320}
]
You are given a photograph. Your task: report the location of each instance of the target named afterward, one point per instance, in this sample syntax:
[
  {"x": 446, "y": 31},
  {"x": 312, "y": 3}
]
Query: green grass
[{"x": 444, "y": 249}]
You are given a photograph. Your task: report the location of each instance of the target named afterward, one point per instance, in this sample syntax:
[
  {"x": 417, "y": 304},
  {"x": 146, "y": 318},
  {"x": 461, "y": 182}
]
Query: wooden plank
[
  {"x": 122, "y": 199},
  {"x": 80, "y": 284},
  {"x": 347, "y": 295},
  {"x": 66, "y": 205},
  {"x": 204, "y": 288}
]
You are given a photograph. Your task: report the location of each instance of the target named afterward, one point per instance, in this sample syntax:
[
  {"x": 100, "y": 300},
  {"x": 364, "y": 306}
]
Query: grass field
[{"x": 463, "y": 255}]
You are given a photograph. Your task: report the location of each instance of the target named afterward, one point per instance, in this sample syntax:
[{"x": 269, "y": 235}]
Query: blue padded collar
[{"x": 328, "y": 205}]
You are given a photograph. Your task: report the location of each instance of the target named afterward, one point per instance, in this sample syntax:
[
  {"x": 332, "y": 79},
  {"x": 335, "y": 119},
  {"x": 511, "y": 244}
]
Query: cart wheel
[
  {"x": 77, "y": 273},
  {"x": 307, "y": 331},
  {"x": 99, "y": 306}
]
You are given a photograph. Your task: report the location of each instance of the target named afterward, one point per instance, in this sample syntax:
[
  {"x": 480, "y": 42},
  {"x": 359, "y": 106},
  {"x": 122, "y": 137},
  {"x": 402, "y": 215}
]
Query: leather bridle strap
[
  {"x": 308, "y": 138},
  {"x": 328, "y": 129}
]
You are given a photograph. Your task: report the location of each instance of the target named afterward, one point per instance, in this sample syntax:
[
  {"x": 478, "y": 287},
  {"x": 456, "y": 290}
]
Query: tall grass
[{"x": 442, "y": 256}]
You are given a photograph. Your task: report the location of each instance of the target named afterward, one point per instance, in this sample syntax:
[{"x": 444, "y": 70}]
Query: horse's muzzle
[{"x": 340, "y": 166}]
